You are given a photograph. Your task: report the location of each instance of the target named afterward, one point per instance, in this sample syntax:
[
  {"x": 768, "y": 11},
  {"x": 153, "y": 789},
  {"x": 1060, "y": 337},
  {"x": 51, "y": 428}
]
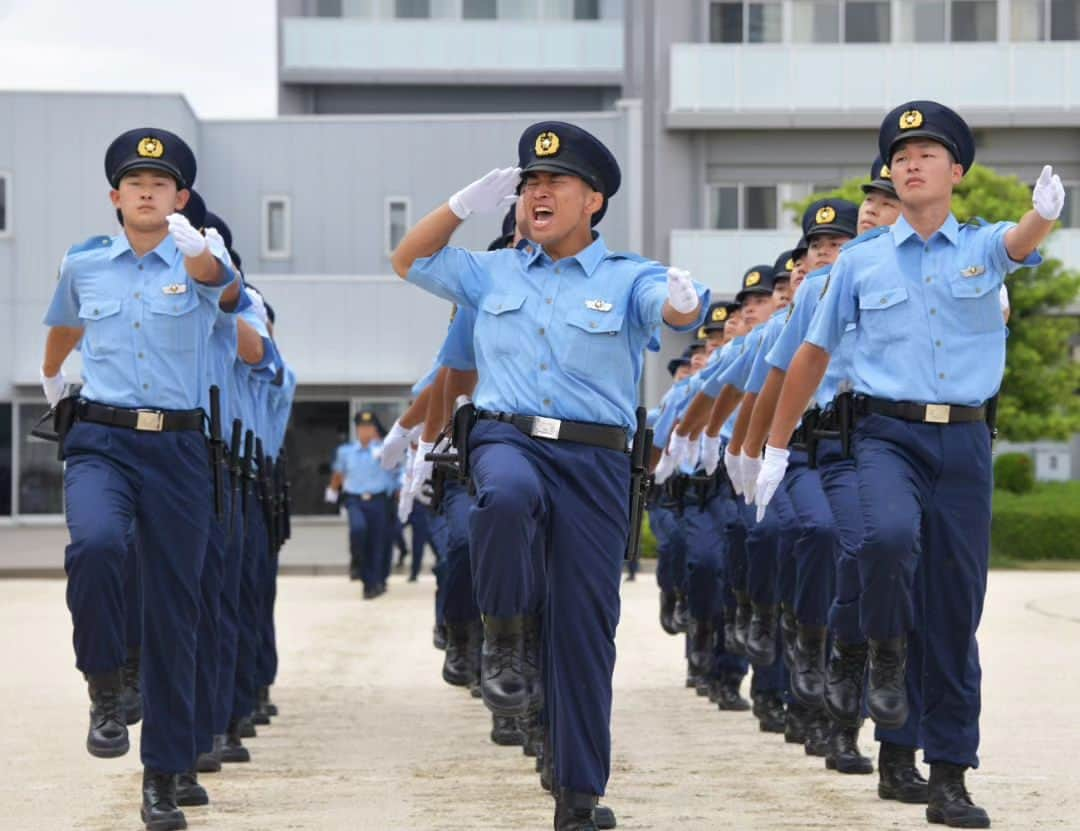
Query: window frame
[
  {"x": 285, "y": 253},
  {"x": 745, "y": 4},
  {"x": 740, "y": 205},
  {"x": 387, "y": 224},
  {"x": 6, "y": 177}
]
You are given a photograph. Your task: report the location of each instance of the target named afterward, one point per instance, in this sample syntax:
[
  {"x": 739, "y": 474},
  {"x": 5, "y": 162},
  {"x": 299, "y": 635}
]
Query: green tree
[{"x": 1040, "y": 394}]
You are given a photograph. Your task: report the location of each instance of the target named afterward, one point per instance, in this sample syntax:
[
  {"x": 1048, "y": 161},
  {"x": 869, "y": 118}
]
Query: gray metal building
[{"x": 720, "y": 113}]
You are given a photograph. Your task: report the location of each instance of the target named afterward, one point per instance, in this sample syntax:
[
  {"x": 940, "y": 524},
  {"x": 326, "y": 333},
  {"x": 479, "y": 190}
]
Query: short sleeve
[
  {"x": 793, "y": 333},
  {"x": 64, "y": 308},
  {"x": 213, "y": 292},
  {"x": 999, "y": 254},
  {"x": 737, "y": 371},
  {"x": 649, "y": 294},
  {"x": 837, "y": 307},
  {"x": 457, "y": 351},
  {"x": 455, "y": 274},
  {"x": 339, "y": 460}
]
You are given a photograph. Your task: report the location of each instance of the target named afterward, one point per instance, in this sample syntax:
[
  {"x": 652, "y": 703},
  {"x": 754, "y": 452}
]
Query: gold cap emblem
[
  {"x": 911, "y": 119},
  {"x": 789, "y": 265},
  {"x": 719, "y": 315},
  {"x": 825, "y": 215},
  {"x": 150, "y": 148},
  {"x": 366, "y": 418},
  {"x": 547, "y": 144},
  {"x": 702, "y": 334},
  {"x": 752, "y": 279},
  {"x": 885, "y": 173}
]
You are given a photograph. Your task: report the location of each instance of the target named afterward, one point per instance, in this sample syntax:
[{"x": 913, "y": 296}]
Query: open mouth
[{"x": 542, "y": 217}]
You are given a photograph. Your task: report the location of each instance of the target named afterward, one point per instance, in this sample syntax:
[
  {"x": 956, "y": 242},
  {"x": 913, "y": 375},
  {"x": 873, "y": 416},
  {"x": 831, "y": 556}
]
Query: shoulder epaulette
[
  {"x": 91, "y": 244},
  {"x": 628, "y": 255},
  {"x": 873, "y": 233},
  {"x": 974, "y": 222}
]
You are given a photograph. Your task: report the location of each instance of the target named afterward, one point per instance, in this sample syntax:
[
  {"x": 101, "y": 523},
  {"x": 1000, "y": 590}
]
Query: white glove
[
  {"x": 750, "y": 466},
  {"x": 770, "y": 477},
  {"x": 664, "y": 468},
  {"x": 710, "y": 453},
  {"x": 681, "y": 293},
  {"x": 733, "y": 466},
  {"x": 678, "y": 448},
  {"x": 695, "y": 455},
  {"x": 54, "y": 387},
  {"x": 216, "y": 243},
  {"x": 330, "y": 496},
  {"x": 189, "y": 242},
  {"x": 405, "y": 504},
  {"x": 422, "y": 468},
  {"x": 494, "y": 192},
  {"x": 1048, "y": 197},
  {"x": 396, "y": 444}
]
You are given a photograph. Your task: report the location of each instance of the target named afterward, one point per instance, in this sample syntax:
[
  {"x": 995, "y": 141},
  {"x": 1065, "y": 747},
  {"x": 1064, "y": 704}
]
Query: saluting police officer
[
  {"x": 561, "y": 328},
  {"x": 929, "y": 357},
  {"x": 142, "y": 304}
]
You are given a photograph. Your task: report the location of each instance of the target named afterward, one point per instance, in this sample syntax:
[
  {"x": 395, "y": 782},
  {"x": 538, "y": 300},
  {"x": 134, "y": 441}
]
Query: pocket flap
[
  {"x": 498, "y": 304},
  {"x": 175, "y": 304},
  {"x": 596, "y": 322},
  {"x": 883, "y": 298},
  {"x": 98, "y": 309},
  {"x": 971, "y": 288}
]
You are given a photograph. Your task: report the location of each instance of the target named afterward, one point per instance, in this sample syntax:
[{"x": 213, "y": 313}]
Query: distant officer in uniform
[
  {"x": 142, "y": 305},
  {"x": 560, "y": 333},
  {"x": 929, "y": 357},
  {"x": 366, "y": 488}
]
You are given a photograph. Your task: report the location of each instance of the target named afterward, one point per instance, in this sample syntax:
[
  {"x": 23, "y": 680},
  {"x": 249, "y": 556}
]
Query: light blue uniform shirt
[
  {"x": 672, "y": 405},
  {"x": 361, "y": 469},
  {"x": 457, "y": 350},
  {"x": 759, "y": 369},
  {"x": 280, "y": 399},
  {"x": 929, "y": 325},
  {"x": 736, "y": 370},
  {"x": 560, "y": 339},
  {"x": 250, "y": 380},
  {"x": 223, "y": 346},
  {"x": 146, "y": 323}
]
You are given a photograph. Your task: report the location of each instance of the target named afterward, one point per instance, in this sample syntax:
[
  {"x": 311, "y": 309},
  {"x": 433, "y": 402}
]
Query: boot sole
[
  {"x": 887, "y": 793},
  {"x": 888, "y": 724},
  {"x": 456, "y": 680},
  {"x": 235, "y": 759},
  {"x": 192, "y": 801},
  {"x": 507, "y": 740},
  {"x": 109, "y": 752},
  {"x": 213, "y": 766},
  {"x": 935, "y": 817},
  {"x": 504, "y": 710},
  {"x": 857, "y": 768},
  {"x": 170, "y": 824}
]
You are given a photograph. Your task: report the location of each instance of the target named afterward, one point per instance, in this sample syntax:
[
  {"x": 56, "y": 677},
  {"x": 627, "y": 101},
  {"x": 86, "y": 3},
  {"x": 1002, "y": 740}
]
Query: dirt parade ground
[{"x": 369, "y": 737}]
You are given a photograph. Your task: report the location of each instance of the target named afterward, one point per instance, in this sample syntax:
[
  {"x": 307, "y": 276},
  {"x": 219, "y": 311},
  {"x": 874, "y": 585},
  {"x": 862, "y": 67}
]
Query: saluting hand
[
  {"x": 1048, "y": 197},
  {"x": 770, "y": 477},
  {"x": 496, "y": 191},
  {"x": 189, "y": 241},
  {"x": 682, "y": 295}
]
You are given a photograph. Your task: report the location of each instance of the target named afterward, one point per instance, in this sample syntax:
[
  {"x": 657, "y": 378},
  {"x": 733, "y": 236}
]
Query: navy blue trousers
[
  {"x": 705, "y": 555},
  {"x": 160, "y": 481},
  {"x": 574, "y": 501},
  {"x": 670, "y": 548},
  {"x": 767, "y": 543},
  {"x": 925, "y": 492},
  {"x": 421, "y": 537},
  {"x": 459, "y": 599},
  {"x": 438, "y": 530},
  {"x": 369, "y": 536},
  {"x": 229, "y": 632},
  {"x": 132, "y": 595},
  {"x": 208, "y": 642},
  {"x": 266, "y": 659},
  {"x": 816, "y": 543},
  {"x": 253, "y": 554}
]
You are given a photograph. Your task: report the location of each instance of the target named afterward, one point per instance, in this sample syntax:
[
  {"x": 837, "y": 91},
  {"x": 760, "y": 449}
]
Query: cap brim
[
  {"x": 550, "y": 166},
  {"x": 884, "y": 185},
  {"x": 715, "y": 327},
  {"x": 755, "y": 290},
  {"x": 839, "y": 230},
  {"x": 140, "y": 163},
  {"x": 925, "y": 134}
]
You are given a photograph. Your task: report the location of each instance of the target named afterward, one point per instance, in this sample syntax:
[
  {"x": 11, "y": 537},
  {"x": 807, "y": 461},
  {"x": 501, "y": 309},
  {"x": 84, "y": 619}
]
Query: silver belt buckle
[
  {"x": 150, "y": 420},
  {"x": 937, "y": 414},
  {"x": 545, "y": 428},
  {"x": 365, "y": 497}
]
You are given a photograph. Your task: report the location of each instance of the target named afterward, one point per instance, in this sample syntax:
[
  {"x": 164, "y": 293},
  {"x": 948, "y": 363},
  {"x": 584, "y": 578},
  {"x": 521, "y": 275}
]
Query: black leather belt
[
  {"x": 365, "y": 497},
  {"x": 925, "y": 413},
  {"x": 151, "y": 421},
  {"x": 559, "y": 429}
]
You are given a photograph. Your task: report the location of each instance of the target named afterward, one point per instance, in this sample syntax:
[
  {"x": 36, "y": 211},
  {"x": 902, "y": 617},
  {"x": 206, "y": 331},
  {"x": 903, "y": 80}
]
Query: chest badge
[
  {"x": 973, "y": 271},
  {"x": 598, "y": 305},
  {"x": 174, "y": 288}
]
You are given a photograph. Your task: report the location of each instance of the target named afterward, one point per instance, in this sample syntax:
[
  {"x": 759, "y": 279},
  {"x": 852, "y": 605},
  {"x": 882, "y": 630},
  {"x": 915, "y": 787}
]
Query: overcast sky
[{"x": 221, "y": 54}]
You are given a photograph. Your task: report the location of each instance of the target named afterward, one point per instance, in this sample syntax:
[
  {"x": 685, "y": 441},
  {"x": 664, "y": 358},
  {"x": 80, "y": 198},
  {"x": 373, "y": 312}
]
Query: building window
[
  {"x": 41, "y": 475},
  {"x": 412, "y": 9},
  {"x": 1044, "y": 20},
  {"x": 973, "y": 20},
  {"x": 816, "y": 21},
  {"x": 277, "y": 228},
  {"x": 841, "y": 21},
  {"x": 750, "y": 207},
  {"x": 936, "y": 21},
  {"x": 735, "y": 21},
  {"x": 866, "y": 22},
  {"x": 586, "y": 9},
  {"x": 478, "y": 9},
  {"x": 1070, "y": 216},
  {"x": 316, "y": 430},
  {"x": 5, "y": 459},
  {"x": 328, "y": 8},
  {"x": 923, "y": 21},
  {"x": 397, "y": 222},
  {"x": 5, "y": 204},
  {"x": 1064, "y": 20}
]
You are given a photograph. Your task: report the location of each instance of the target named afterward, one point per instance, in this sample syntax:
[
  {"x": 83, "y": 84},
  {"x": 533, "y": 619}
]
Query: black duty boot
[
  {"x": 667, "y": 612},
  {"x": 681, "y": 615},
  {"x": 604, "y": 817},
  {"x": 728, "y": 697},
  {"x": 744, "y": 613},
  {"x": 209, "y": 762},
  {"x": 844, "y": 674},
  {"x": 534, "y": 735},
  {"x": 476, "y": 645},
  {"x": 795, "y": 721},
  {"x": 246, "y": 727},
  {"x": 233, "y": 751},
  {"x": 107, "y": 737},
  {"x": 455, "y": 669},
  {"x": 898, "y": 776},
  {"x": 502, "y": 682},
  {"x": 950, "y": 803},
  {"x": 886, "y": 697},
  {"x": 574, "y": 811},
  {"x": 844, "y": 755},
  {"x": 789, "y": 632},
  {"x": 546, "y": 766},
  {"x": 189, "y": 792},
  {"x": 818, "y": 734},
  {"x": 531, "y": 636},
  {"x": 761, "y": 642},
  {"x": 438, "y": 636},
  {"x": 769, "y": 709},
  {"x": 506, "y": 732},
  {"x": 701, "y": 649},
  {"x": 261, "y": 716},
  {"x": 808, "y": 677},
  {"x": 159, "y": 809},
  {"x": 271, "y": 707},
  {"x": 132, "y": 687}
]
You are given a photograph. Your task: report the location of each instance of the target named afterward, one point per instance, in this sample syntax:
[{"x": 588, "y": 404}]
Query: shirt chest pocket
[
  {"x": 502, "y": 324},
  {"x": 173, "y": 322},
  {"x": 977, "y": 304},
  {"x": 591, "y": 342},
  {"x": 104, "y": 329},
  {"x": 884, "y": 314}
]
